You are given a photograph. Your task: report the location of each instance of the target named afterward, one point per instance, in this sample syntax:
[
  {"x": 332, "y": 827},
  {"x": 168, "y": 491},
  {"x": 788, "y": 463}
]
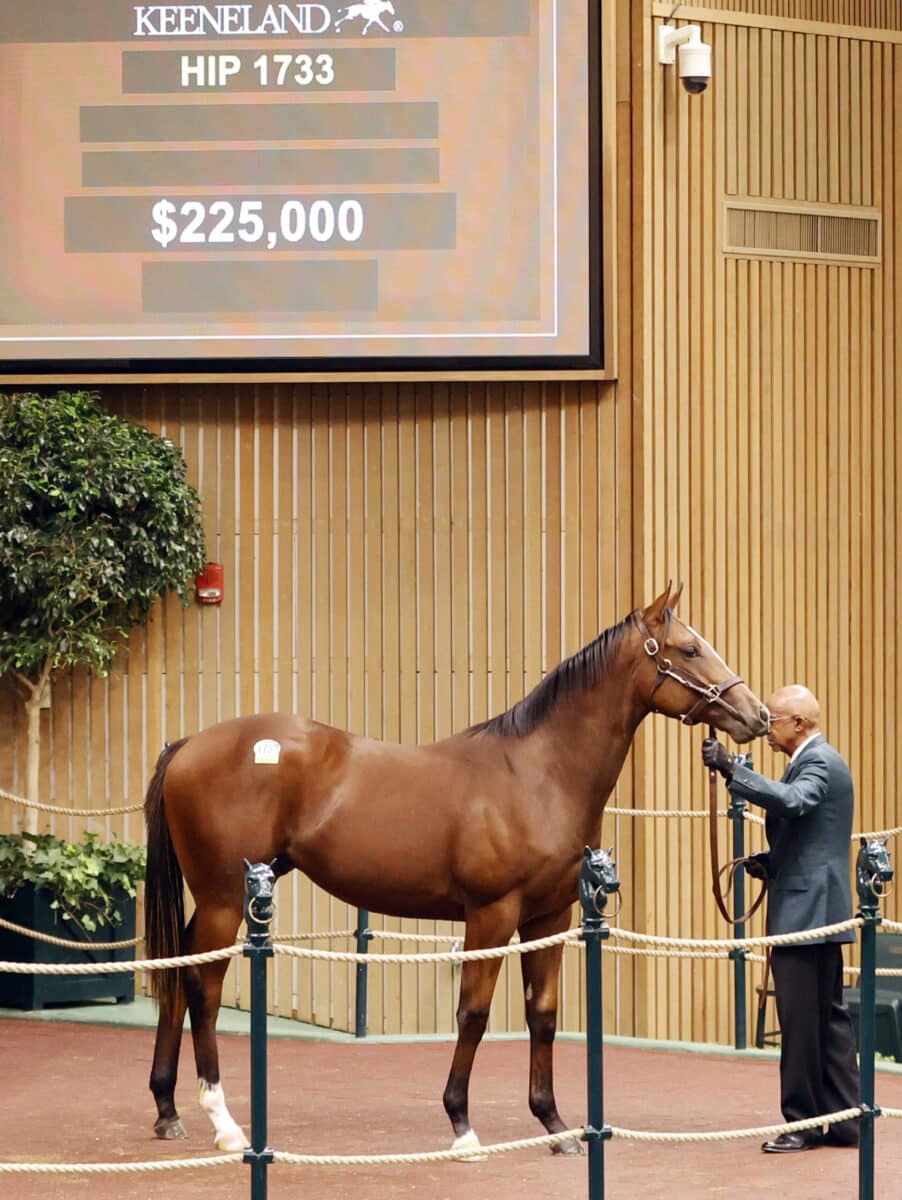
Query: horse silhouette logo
[{"x": 370, "y": 11}]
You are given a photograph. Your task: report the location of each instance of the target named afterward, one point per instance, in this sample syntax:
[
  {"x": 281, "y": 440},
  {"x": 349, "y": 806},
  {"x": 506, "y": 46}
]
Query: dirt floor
[{"x": 77, "y": 1093}]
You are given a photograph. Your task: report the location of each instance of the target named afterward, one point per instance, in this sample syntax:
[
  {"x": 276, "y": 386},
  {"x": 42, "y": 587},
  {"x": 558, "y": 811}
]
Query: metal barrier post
[
  {"x": 872, "y": 872},
  {"x": 363, "y": 936},
  {"x": 259, "y": 881},
  {"x": 597, "y": 880},
  {"x": 736, "y": 813}
]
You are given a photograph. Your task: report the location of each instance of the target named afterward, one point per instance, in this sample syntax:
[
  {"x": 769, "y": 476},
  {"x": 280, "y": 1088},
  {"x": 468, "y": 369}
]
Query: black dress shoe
[{"x": 792, "y": 1143}]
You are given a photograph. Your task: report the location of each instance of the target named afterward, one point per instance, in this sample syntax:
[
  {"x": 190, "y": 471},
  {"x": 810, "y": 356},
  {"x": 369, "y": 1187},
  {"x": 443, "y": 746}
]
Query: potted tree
[{"x": 80, "y": 893}]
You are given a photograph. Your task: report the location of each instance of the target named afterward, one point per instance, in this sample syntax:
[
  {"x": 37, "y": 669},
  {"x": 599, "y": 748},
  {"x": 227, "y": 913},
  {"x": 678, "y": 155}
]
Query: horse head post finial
[
  {"x": 597, "y": 880},
  {"x": 873, "y": 871},
  {"x": 259, "y": 882}
]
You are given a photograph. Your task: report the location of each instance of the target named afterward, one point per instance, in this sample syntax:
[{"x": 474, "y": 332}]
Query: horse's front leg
[
  {"x": 541, "y": 972},
  {"x": 203, "y": 988},
  {"x": 492, "y": 926}
]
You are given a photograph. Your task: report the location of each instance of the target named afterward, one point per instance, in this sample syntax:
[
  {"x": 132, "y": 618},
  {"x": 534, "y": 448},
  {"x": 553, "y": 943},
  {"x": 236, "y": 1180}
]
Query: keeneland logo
[
  {"x": 256, "y": 20},
  {"x": 367, "y": 10}
]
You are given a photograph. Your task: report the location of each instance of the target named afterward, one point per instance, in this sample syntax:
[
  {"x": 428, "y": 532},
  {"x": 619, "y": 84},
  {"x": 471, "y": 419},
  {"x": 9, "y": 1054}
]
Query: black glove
[
  {"x": 756, "y": 866},
  {"x": 716, "y": 758}
]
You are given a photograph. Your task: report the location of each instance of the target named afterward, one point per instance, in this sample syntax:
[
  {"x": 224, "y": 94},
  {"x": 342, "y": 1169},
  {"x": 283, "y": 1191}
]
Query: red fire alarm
[{"x": 208, "y": 584}]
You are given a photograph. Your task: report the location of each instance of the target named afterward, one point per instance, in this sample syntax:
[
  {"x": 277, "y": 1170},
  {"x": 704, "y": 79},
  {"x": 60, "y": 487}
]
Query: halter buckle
[
  {"x": 652, "y": 649},
  {"x": 712, "y": 694}
]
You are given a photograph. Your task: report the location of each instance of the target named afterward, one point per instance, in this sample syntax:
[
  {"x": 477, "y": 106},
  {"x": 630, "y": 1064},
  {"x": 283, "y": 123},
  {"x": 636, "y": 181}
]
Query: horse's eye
[{"x": 690, "y": 652}]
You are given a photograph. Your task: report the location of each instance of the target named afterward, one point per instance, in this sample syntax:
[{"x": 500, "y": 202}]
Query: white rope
[
  {"x": 171, "y": 1164},
  {"x": 649, "y": 953},
  {"x": 387, "y": 935},
  {"x": 427, "y": 1156},
  {"x": 112, "y": 968},
  {"x": 781, "y": 939},
  {"x": 892, "y": 926},
  {"x": 891, "y": 1112},
  {"x": 615, "y": 812},
  {"x": 894, "y": 972},
  {"x": 452, "y": 956},
  {"x": 725, "y": 1135},
  {"x": 69, "y": 945},
  {"x": 68, "y": 812}
]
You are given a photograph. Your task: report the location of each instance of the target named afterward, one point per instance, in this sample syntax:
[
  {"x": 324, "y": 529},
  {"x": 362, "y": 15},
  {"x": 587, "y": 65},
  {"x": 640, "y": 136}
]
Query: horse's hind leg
[
  {"x": 489, "y": 927},
  {"x": 541, "y": 971},
  {"x": 165, "y": 1068},
  {"x": 203, "y": 988}
]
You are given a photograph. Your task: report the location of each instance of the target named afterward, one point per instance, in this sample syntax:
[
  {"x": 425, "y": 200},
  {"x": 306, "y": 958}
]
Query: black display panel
[{"x": 388, "y": 183}]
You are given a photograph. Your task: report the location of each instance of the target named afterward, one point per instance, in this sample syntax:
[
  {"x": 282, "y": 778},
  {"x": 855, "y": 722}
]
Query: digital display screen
[{"x": 405, "y": 182}]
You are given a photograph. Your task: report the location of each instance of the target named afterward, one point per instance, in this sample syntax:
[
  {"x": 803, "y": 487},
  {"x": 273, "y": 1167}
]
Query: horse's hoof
[
  {"x": 570, "y": 1147},
  {"x": 170, "y": 1129},
  {"x": 231, "y": 1141},
  {"x": 467, "y": 1141}
]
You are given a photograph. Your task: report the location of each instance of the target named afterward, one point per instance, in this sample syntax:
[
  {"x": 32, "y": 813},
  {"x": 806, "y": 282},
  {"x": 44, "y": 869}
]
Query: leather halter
[{"x": 708, "y": 693}]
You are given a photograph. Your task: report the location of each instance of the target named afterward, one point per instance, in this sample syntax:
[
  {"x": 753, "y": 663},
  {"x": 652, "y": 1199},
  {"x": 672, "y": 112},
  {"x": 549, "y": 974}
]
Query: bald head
[
  {"x": 796, "y": 701},
  {"x": 794, "y": 716}
]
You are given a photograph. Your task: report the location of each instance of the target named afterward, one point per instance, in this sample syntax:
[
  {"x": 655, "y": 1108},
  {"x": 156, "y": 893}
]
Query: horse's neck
[{"x": 592, "y": 731}]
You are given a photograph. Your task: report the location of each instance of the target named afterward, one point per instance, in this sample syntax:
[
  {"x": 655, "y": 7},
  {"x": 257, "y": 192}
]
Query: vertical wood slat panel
[
  {"x": 877, "y": 14},
  {"x": 799, "y": 472}
]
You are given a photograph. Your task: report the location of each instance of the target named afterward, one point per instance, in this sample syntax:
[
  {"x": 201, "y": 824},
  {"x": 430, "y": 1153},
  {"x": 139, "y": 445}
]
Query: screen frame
[{"x": 595, "y": 364}]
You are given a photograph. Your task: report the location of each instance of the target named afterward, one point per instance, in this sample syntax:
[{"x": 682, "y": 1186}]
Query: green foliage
[
  {"x": 96, "y": 521},
  {"x": 84, "y": 879}
]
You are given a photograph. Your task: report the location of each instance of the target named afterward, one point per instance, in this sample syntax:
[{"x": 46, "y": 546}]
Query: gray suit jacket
[{"x": 809, "y": 831}]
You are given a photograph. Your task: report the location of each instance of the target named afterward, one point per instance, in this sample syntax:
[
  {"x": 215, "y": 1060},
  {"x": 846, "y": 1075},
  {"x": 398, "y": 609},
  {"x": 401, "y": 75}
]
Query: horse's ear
[
  {"x": 654, "y": 614},
  {"x": 675, "y": 598}
]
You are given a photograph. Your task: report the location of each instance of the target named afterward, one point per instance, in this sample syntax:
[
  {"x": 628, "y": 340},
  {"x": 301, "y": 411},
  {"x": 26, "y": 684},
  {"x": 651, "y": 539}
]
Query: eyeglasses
[{"x": 772, "y": 720}]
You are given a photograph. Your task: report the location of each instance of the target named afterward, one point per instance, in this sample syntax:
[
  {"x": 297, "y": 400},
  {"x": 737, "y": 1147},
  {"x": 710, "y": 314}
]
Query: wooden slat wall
[
  {"x": 401, "y": 561},
  {"x": 770, "y": 439},
  {"x": 874, "y": 14}
]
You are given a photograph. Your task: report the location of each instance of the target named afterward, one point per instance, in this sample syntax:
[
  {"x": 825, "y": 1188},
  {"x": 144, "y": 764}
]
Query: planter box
[{"x": 30, "y": 907}]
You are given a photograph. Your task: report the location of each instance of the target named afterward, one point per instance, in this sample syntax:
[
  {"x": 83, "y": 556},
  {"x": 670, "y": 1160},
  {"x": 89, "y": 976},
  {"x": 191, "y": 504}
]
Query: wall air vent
[{"x": 814, "y": 233}]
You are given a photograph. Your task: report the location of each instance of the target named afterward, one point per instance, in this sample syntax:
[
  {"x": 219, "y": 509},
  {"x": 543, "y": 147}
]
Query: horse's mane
[{"x": 583, "y": 670}]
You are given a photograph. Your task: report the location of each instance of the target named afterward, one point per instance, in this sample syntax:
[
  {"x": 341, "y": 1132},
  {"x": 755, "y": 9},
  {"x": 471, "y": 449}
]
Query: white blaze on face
[
  {"x": 708, "y": 646},
  {"x": 227, "y": 1133}
]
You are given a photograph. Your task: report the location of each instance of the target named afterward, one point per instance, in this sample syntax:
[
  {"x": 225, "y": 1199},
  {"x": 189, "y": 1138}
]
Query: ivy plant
[
  {"x": 97, "y": 521},
  {"x": 85, "y": 880}
]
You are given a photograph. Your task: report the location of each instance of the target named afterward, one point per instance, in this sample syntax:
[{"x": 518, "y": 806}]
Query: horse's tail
[{"x": 164, "y": 896}]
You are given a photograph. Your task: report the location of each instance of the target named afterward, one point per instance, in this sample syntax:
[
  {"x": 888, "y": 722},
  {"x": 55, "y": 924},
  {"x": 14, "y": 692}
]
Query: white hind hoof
[
  {"x": 231, "y": 1141},
  {"x": 467, "y": 1141}
]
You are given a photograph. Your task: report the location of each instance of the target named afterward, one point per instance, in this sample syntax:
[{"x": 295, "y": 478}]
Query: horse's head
[
  {"x": 873, "y": 870},
  {"x": 689, "y": 680},
  {"x": 597, "y": 879}
]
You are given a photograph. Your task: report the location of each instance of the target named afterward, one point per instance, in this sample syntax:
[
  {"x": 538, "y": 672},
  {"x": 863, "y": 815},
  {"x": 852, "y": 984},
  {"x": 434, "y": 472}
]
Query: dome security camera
[
  {"x": 695, "y": 67},
  {"x": 695, "y": 55}
]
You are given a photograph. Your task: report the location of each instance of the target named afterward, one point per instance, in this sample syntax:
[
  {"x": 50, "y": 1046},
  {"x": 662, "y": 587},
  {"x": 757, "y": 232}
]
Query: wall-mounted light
[{"x": 695, "y": 55}]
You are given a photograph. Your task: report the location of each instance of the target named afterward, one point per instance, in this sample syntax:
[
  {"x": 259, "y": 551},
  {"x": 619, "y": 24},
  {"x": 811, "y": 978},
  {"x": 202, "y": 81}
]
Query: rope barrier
[
  {"x": 129, "y": 964},
  {"x": 614, "y": 812},
  {"x": 779, "y": 939},
  {"x": 171, "y": 1164},
  {"x": 68, "y": 945},
  {"x": 69, "y": 812},
  {"x": 707, "y": 948},
  {"x": 726, "y": 1135},
  {"x": 426, "y": 1156},
  {"x": 452, "y": 956}
]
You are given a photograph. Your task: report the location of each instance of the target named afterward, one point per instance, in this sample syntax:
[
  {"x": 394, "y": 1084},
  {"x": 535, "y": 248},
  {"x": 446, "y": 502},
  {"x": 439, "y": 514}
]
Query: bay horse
[{"x": 487, "y": 826}]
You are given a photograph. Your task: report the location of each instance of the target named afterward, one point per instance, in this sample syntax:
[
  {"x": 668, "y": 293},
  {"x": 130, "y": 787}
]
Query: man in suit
[{"x": 809, "y": 829}]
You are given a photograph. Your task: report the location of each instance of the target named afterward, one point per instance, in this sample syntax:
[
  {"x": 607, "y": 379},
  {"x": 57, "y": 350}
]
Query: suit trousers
[{"x": 818, "y": 1063}]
